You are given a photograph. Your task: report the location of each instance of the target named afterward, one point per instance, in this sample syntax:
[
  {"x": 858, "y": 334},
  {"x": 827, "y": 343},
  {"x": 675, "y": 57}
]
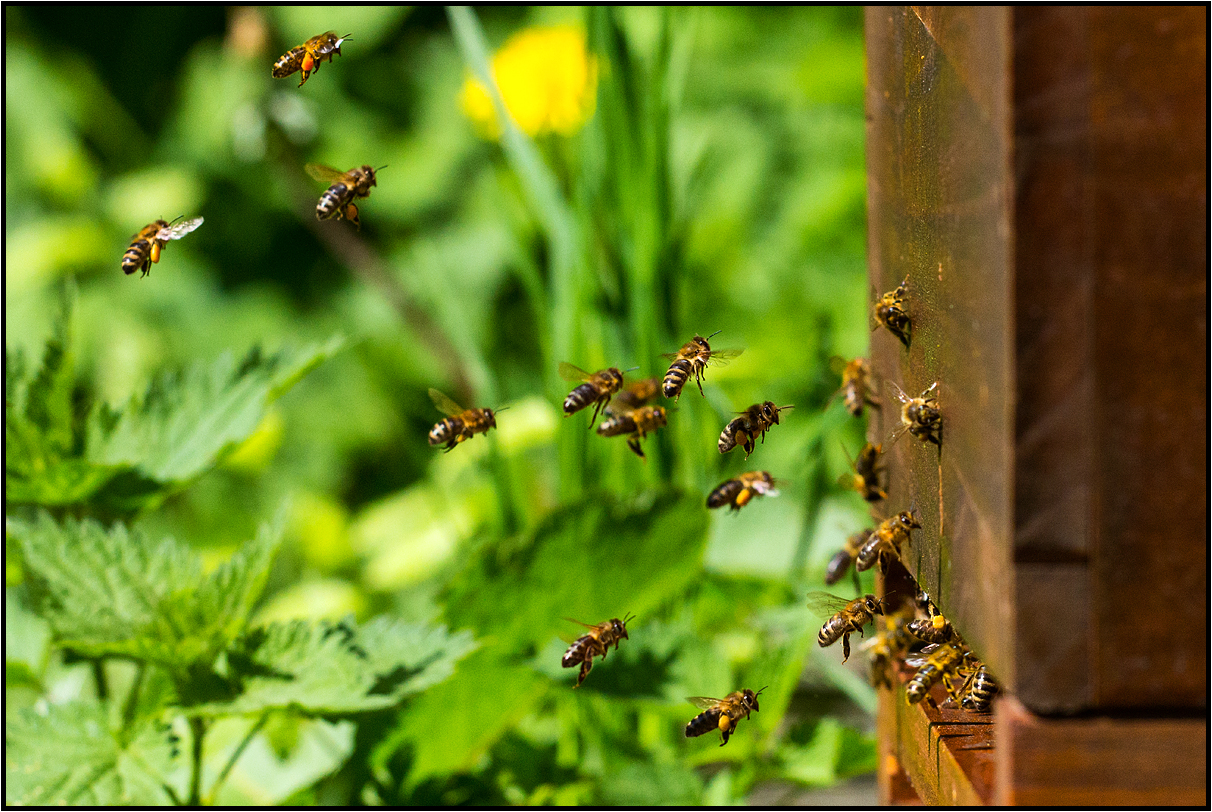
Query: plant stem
[
  {"x": 197, "y": 728},
  {"x": 99, "y": 677},
  {"x": 132, "y": 699},
  {"x": 235, "y": 756}
]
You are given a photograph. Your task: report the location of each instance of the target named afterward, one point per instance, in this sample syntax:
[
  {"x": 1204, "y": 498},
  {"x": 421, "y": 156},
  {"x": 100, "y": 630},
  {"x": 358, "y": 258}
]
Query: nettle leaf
[
  {"x": 70, "y": 756},
  {"x": 333, "y": 669},
  {"x": 113, "y": 592}
]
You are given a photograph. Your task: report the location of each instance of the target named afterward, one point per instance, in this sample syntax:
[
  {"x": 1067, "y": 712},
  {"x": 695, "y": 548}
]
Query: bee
[
  {"x": 738, "y": 491},
  {"x": 635, "y": 395},
  {"x": 890, "y": 643},
  {"x": 843, "y": 558},
  {"x": 866, "y": 476},
  {"x": 346, "y": 187},
  {"x": 595, "y": 642},
  {"x": 890, "y": 312},
  {"x": 460, "y": 424},
  {"x": 856, "y": 387},
  {"x": 145, "y": 246},
  {"x": 722, "y": 714},
  {"x": 939, "y": 662},
  {"x": 637, "y": 423},
  {"x": 691, "y": 361},
  {"x": 748, "y": 426},
  {"x": 976, "y": 693},
  {"x": 932, "y": 629},
  {"x": 886, "y": 540},
  {"x": 919, "y": 416},
  {"x": 308, "y": 56},
  {"x": 847, "y": 617},
  {"x": 598, "y": 387}
]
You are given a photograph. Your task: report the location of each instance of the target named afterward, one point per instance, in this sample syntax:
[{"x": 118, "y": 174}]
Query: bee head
[
  {"x": 749, "y": 698},
  {"x": 492, "y": 417},
  {"x": 907, "y": 520},
  {"x": 620, "y": 626},
  {"x": 874, "y": 605}
]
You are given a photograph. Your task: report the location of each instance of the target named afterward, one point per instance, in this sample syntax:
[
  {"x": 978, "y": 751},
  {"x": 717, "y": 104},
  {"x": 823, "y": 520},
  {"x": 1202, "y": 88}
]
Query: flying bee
[
  {"x": 308, "y": 56},
  {"x": 890, "y": 312},
  {"x": 843, "y": 558},
  {"x": 938, "y": 662},
  {"x": 346, "y": 187},
  {"x": 886, "y": 541},
  {"x": 460, "y": 424},
  {"x": 866, "y": 476},
  {"x": 750, "y": 424},
  {"x": 691, "y": 361},
  {"x": 739, "y": 491},
  {"x": 847, "y": 616},
  {"x": 722, "y": 714},
  {"x": 634, "y": 395},
  {"x": 637, "y": 423},
  {"x": 594, "y": 643},
  {"x": 856, "y": 384},
  {"x": 598, "y": 387},
  {"x": 976, "y": 694},
  {"x": 890, "y": 644},
  {"x": 920, "y": 416},
  {"x": 145, "y": 247}
]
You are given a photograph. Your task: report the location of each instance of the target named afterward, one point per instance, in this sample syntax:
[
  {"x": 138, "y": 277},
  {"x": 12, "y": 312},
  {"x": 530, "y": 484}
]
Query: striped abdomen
[
  {"x": 137, "y": 256},
  {"x": 705, "y": 722},
  {"x": 581, "y": 397},
  {"x": 725, "y": 494},
  {"x": 446, "y": 431},
  {"x": 583, "y": 649},
  {"x": 289, "y": 62},
  {"x": 736, "y": 431},
  {"x": 927, "y": 629},
  {"x": 834, "y": 628},
  {"x": 333, "y": 200},
  {"x": 679, "y": 372},
  {"x": 980, "y": 691},
  {"x": 614, "y": 426},
  {"x": 838, "y": 566}
]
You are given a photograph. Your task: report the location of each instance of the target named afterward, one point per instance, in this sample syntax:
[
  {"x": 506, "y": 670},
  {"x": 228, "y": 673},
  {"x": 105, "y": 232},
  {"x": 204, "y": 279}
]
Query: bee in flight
[
  {"x": 847, "y": 616},
  {"x": 635, "y": 395},
  {"x": 890, "y": 312},
  {"x": 691, "y": 361},
  {"x": 866, "y": 476},
  {"x": 739, "y": 491},
  {"x": 920, "y": 416},
  {"x": 937, "y": 662},
  {"x": 595, "y": 642},
  {"x": 145, "y": 247},
  {"x": 345, "y": 187},
  {"x": 747, "y": 426},
  {"x": 722, "y": 714},
  {"x": 933, "y": 629},
  {"x": 460, "y": 424},
  {"x": 636, "y": 423},
  {"x": 843, "y": 558},
  {"x": 308, "y": 56},
  {"x": 597, "y": 388},
  {"x": 856, "y": 384},
  {"x": 890, "y": 644},
  {"x": 886, "y": 541}
]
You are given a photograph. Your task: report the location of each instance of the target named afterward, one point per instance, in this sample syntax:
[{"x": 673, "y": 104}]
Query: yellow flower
[{"x": 547, "y": 80}]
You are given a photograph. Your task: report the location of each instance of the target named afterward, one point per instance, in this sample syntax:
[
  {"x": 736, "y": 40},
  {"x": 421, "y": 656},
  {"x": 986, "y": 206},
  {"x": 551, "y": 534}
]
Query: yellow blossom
[{"x": 547, "y": 80}]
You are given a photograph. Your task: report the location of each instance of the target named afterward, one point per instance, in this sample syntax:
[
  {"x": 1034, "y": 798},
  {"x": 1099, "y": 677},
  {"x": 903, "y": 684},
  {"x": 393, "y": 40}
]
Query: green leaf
[
  {"x": 336, "y": 668},
  {"x": 114, "y": 592},
  {"x": 69, "y": 755}
]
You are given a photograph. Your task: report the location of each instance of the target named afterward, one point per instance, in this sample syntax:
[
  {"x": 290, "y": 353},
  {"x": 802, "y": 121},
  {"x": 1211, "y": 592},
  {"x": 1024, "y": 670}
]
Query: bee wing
[
  {"x": 176, "y": 232},
  {"x": 703, "y": 702},
  {"x": 824, "y": 604},
  {"x": 722, "y": 357},
  {"x": 764, "y": 488},
  {"x": 581, "y": 623},
  {"x": 445, "y": 405},
  {"x": 569, "y": 372},
  {"x": 323, "y": 173},
  {"x": 900, "y": 393},
  {"x": 837, "y": 364}
]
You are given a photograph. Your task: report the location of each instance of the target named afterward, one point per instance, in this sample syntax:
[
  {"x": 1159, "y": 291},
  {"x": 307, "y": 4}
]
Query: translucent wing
[
  {"x": 838, "y": 364},
  {"x": 324, "y": 173},
  {"x": 445, "y": 405},
  {"x": 824, "y": 604},
  {"x": 581, "y": 623},
  {"x": 176, "y": 232},
  {"x": 570, "y": 372},
  {"x": 721, "y": 357},
  {"x": 703, "y": 702},
  {"x": 764, "y": 488},
  {"x": 900, "y": 393}
]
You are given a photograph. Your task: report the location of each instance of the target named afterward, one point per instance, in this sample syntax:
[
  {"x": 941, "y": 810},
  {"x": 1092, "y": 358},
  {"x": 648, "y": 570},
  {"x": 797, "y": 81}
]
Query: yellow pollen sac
[
  {"x": 743, "y": 497},
  {"x": 939, "y": 621},
  {"x": 725, "y": 722}
]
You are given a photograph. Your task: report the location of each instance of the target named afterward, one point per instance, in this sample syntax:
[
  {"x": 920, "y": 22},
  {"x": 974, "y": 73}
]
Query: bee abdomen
[
  {"x": 331, "y": 201},
  {"x": 579, "y": 398},
  {"x": 615, "y": 426},
  {"x": 980, "y": 695},
  {"x": 831, "y": 631},
  {"x": 838, "y": 565},
  {"x": 705, "y": 722},
  {"x": 135, "y": 256},
  {"x": 288, "y": 63},
  {"x": 445, "y": 431},
  {"x": 675, "y": 378},
  {"x": 724, "y": 494},
  {"x": 575, "y": 654}
]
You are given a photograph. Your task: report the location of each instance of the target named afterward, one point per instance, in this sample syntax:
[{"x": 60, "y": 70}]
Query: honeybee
[
  {"x": 932, "y": 629},
  {"x": 843, "y": 558},
  {"x": 976, "y": 693},
  {"x": 637, "y": 423},
  {"x": 460, "y": 424},
  {"x": 920, "y": 416},
  {"x": 722, "y": 714},
  {"x": 145, "y": 247},
  {"x": 598, "y": 387},
  {"x": 635, "y": 395},
  {"x": 886, "y": 540},
  {"x": 847, "y": 616},
  {"x": 308, "y": 56},
  {"x": 692, "y": 360},
  {"x": 939, "y": 662},
  {"x": 866, "y": 476},
  {"x": 890, "y": 312},
  {"x": 738, "y": 491},
  {"x": 595, "y": 642},
  {"x": 346, "y": 187},
  {"x": 856, "y": 387},
  {"x": 890, "y": 643},
  {"x": 750, "y": 424}
]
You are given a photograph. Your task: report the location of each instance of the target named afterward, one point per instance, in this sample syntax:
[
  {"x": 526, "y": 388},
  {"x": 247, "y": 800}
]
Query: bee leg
[
  {"x": 634, "y": 445},
  {"x": 586, "y": 665},
  {"x": 845, "y": 646},
  {"x": 698, "y": 378}
]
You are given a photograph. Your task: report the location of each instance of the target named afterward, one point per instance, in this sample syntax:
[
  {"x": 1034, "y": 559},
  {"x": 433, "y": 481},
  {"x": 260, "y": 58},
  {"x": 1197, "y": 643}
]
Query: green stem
[
  {"x": 99, "y": 677},
  {"x": 132, "y": 698},
  {"x": 197, "y": 729},
  {"x": 235, "y": 756}
]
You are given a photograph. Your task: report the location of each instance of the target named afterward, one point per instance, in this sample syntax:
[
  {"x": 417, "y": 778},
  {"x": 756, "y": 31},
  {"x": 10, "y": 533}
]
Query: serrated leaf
[
  {"x": 115, "y": 592},
  {"x": 336, "y": 668},
  {"x": 70, "y": 756}
]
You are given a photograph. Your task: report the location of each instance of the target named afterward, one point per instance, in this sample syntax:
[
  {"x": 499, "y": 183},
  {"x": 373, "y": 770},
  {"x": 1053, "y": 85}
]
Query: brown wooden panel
[{"x": 1138, "y": 763}]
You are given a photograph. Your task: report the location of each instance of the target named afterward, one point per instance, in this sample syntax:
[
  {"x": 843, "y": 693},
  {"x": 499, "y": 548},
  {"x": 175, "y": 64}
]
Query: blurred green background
[{"x": 719, "y": 185}]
